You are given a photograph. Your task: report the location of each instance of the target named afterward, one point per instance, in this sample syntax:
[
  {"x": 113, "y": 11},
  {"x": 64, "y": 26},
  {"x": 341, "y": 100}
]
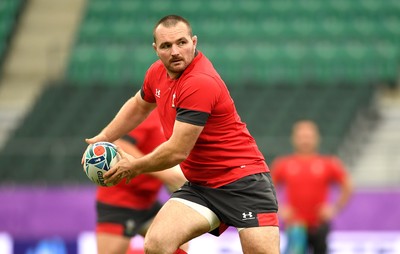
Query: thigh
[
  {"x": 260, "y": 240},
  {"x": 111, "y": 243},
  {"x": 174, "y": 225}
]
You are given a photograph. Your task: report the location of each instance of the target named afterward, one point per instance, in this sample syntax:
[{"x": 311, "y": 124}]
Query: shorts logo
[
  {"x": 248, "y": 216},
  {"x": 158, "y": 93},
  {"x": 129, "y": 227}
]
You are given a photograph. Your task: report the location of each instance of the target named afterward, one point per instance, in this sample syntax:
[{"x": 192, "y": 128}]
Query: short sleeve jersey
[
  {"x": 142, "y": 191},
  {"x": 225, "y": 151},
  {"x": 306, "y": 182}
]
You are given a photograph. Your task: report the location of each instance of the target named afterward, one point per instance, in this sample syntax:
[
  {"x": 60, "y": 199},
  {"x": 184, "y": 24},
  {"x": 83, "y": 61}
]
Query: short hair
[{"x": 169, "y": 21}]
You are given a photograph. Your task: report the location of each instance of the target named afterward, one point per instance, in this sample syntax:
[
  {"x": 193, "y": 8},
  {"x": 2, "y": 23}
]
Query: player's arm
[
  {"x": 131, "y": 114},
  {"x": 167, "y": 155},
  {"x": 173, "y": 177},
  {"x": 342, "y": 179},
  {"x": 345, "y": 191},
  {"x": 339, "y": 175}
]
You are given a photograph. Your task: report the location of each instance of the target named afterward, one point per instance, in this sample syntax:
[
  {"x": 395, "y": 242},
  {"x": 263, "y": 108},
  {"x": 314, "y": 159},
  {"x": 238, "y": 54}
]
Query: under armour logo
[
  {"x": 248, "y": 216},
  {"x": 129, "y": 227},
  {"x": 158, "y": 93}
]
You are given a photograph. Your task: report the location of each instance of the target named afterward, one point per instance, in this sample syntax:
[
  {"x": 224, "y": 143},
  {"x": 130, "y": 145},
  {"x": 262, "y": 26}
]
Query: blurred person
[
  {"x": 229, "y": 180},
  {"x": 307, "y": 177},
  {"x": 127, "y": 209}
]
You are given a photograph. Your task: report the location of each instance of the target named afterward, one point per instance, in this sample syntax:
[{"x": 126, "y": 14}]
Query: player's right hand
[{"x": 122, "y": 169}]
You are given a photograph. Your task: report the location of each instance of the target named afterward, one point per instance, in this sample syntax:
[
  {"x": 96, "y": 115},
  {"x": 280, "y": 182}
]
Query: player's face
[
  {"x": 305, "y": 138},
  {"x": 175, "y": 47}
]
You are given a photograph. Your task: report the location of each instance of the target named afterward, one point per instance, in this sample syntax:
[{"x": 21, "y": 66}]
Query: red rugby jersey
[
  {"x": 142, "y": 191},
  {"x": 307, "y": 181},
  {"x": 225, "y": 151}
]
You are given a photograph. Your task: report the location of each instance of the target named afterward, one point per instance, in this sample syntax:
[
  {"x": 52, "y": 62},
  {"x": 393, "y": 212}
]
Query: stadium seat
[
  {"x": 306, "y": 24},
  {"x": 81, "y": 111}
]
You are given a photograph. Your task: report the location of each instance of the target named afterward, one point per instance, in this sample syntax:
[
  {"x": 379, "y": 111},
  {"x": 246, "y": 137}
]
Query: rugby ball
[{"x": 99, "y": 158}]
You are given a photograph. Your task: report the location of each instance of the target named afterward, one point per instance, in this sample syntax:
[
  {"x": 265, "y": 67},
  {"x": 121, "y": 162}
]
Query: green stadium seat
[
  {"x": 78, "y": 112},
  {"x": 313, "y": 37}
]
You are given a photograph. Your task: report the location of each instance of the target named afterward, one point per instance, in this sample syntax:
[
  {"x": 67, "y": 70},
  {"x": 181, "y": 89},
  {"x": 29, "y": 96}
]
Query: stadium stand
[
  {"x": 50, "y": 139},
  {"x": 9, "y": 10},
  {"x": 282, "y": 60},
  {"x": 273, "y": 41}
]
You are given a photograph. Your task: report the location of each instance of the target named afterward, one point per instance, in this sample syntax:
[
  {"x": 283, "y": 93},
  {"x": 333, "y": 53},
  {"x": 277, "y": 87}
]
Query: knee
[{"x": 156, "y": 245}]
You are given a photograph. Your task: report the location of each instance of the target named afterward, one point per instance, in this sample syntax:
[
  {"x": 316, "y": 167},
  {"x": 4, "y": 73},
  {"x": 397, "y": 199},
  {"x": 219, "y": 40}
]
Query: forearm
[
  {"x": 131, "y": 114},
  {"x": 167, "y": 155},
  {"x": 163, "y": 157}
]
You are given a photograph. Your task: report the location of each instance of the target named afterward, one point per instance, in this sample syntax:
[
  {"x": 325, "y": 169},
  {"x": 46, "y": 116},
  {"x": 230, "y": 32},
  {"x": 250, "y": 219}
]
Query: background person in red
[
  {"x": 127, "y": 209},
  {"x": 307, "y": 177}
]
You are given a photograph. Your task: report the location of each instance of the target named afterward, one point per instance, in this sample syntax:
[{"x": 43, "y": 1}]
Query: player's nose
[{"x": 174, "y": 50}]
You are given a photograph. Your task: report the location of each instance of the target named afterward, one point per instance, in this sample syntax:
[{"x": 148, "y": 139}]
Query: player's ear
[
  {"x": 155, "y": 48},
  {"x": 194, "y": 40}
]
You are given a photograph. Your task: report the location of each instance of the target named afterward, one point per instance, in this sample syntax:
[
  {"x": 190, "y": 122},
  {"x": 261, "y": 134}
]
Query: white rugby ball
[{"x": 99, "y": 158}]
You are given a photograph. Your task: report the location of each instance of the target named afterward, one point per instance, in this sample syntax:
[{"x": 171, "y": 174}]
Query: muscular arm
[
  {"x": 167, "y": 155},
  {"x": 172, "y": 177},
  {"x": 131, "y": 114}
]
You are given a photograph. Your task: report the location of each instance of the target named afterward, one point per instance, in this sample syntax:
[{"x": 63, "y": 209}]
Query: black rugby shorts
[{"x": 248, "y": 202}]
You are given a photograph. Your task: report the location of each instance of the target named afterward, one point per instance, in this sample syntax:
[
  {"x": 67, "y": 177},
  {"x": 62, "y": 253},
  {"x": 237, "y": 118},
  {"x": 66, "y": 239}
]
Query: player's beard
[{"x": 177, "y": 66}]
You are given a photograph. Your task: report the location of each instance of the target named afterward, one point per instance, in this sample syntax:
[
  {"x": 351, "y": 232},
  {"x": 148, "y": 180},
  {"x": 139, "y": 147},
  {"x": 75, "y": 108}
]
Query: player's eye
[
  {"x": 181, "y": 43},
  {"x": 165, "y": 46}
]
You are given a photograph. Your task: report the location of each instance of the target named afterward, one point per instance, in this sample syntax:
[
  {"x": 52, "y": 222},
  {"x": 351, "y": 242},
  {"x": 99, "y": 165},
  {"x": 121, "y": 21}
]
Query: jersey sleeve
[
  {"x": 197, "y": 99},
  {"x": 146, "y": 91},
  {"x": 337, "y": 171}
]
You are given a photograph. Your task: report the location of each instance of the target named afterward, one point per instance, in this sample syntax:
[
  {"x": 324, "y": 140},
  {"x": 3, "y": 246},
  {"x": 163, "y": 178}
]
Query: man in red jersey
[
  {"x": 125, "y": 210},
  {"x": 229, "y": 181},
  {"x": 307, "y": 177}
]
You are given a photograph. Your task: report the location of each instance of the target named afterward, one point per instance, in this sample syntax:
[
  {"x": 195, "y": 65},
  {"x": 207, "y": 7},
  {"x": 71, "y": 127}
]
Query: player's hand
[
  {"x": 90, "y": 141},
  {"x": 327, "y": 212},
  {"x": 83, "y": 155},
  {"x": 123, "y": 169},
  {"x": 100, "y": 137}
]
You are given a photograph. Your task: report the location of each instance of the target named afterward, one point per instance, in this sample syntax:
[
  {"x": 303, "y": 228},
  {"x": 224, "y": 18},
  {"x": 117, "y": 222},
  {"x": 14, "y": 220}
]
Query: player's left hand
[
  {"x": 327, "y": 212},
  {"x": 122, "y": 169}
]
